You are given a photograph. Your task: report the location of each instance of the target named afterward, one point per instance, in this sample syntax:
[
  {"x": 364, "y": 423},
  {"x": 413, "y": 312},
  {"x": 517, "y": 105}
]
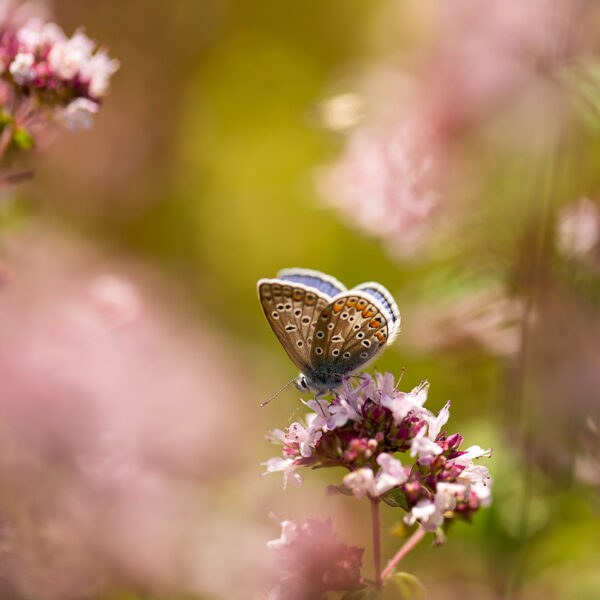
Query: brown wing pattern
[
  {"x": 350, "y": 331},
  {"x": 292, "y": 311}
]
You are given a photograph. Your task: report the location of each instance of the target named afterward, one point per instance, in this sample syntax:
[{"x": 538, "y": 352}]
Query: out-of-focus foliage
[{"x": 204, "y": 173}]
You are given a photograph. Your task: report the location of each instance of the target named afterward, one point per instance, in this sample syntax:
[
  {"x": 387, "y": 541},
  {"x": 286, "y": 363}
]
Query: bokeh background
[{"x": 449, "y": 152}]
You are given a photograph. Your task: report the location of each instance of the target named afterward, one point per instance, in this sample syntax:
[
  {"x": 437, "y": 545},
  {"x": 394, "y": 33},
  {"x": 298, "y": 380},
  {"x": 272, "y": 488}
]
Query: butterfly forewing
[
  {"x": 292, "y": 311},
  {"x": 350, "y": 331}
]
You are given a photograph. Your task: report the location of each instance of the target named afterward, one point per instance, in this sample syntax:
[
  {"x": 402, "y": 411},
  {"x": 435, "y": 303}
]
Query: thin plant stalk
[
  {"x": 376, "y": 530},
  {"x": 412, "y": 541}
]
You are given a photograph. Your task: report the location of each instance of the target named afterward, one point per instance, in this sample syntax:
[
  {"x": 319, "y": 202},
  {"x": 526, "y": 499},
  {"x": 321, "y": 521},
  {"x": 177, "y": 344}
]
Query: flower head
[
  {"x": 364, "y": 428},
  {"x": 312, "y": 561},
  {"x": 43, "y": 72}
]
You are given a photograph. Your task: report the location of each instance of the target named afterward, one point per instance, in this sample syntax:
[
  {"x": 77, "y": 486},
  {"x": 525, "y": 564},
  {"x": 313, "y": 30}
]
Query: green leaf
[
  {"x": 402, "y": 586},
  {"x": 396, "y": 498},
  {"x": 22, "y": 139},
  {"x": 333, "y": 490}
]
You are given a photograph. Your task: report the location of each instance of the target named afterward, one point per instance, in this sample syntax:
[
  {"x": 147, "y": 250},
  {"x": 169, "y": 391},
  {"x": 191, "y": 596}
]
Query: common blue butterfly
[{"x": 327, "y": 331}]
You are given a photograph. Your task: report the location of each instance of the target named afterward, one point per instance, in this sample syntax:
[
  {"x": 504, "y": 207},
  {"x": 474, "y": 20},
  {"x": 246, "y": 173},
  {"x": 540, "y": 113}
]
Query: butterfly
[{"x": 328, "y": 332}]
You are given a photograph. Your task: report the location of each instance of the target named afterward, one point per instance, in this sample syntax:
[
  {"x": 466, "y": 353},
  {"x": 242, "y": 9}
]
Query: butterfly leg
[{"x": 319, "y": 405}]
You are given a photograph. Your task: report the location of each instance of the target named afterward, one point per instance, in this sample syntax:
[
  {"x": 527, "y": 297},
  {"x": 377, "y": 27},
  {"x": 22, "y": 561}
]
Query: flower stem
[
  {"x": 5, "y": 139},
  {"x": 414, "y": 539},
  {"x": 376, "y": 529}
]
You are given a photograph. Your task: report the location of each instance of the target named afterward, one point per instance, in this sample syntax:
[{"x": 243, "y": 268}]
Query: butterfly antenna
[{"x": 279, "y": 392}]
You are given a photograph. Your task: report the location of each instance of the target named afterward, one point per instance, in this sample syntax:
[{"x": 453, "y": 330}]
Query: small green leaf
[
  {"x": 402, "y": 586},
  {"x": 396, "y": 498},
  {"x": 333, "y": 490},
  {"x": 22, "y": 139}
]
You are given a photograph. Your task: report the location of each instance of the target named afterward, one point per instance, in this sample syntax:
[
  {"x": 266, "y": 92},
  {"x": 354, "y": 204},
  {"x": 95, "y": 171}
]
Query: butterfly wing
[
  {"x": 386, "y": 301},
  {"x": 292, "y": 309},
  {"x": 324, "y": 284},
  {"x": 350, "y": 331}
]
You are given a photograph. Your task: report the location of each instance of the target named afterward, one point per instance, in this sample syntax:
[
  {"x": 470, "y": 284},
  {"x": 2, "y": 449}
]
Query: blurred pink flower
[
  {"x": 386, "y": 183},
  {"x": 111, "y": 415},
  {"x": 578, "y": 229},
  {"x": 485, "y": 53},
  {"x": 311, "y": 562},
  {"x": 488, "y": 319},
  {"x": 490, "y": 72}
]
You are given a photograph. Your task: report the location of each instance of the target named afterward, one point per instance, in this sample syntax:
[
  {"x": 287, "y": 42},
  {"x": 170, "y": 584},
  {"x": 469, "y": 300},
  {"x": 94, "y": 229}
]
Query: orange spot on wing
[
  {"x": 325, "y": 314},
  {"x": 380, "y": 336},
  {"x": 297, "y": 296},
  {"x": 351, "y": 303},
  {"x": 338, "y": 306},
  {"x": 360, "y": 306},
  {"x": 367, "y": 313},
  {"x": 374, "y": 323}
]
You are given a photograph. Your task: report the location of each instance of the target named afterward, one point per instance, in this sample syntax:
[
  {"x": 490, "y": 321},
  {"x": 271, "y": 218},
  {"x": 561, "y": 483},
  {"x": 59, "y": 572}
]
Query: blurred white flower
[
  {"x": 98, "y": 71},
  {"x": 287, "y": 467},
  {"x": 21, "y": 68},
  {"x": 79, "y": 114},
  {"x": 578, "y": 228}
]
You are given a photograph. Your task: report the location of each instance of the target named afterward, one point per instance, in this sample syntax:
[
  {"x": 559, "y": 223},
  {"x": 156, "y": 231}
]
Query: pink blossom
[
  {"x": 111, "y": 413},
  {"x": 578, "y": 230},
  {"x": 287, "y": 466},
  {"x": 386, "y": 183},
  {"x": 311, "y": 561},
  {"x": 364, "y": 428},
  {"x": 79, "y": 114},
  {"x": 401, "y": 403}
]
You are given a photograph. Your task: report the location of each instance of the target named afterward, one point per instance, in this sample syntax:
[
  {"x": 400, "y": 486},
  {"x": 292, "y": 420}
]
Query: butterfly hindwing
[
  {"x": 386, "y": 301},
  {"x": 292, "y": 311},
  {"x": 351, "y": 330}
]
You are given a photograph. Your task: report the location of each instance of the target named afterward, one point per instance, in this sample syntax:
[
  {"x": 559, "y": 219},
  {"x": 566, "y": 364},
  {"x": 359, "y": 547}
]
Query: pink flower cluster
[
  {"x": 387, "y": 182},
  {"x": 42, "y": 67},
  {"x": 364, "y": 427},
  {"x": 311, "y": 561}
]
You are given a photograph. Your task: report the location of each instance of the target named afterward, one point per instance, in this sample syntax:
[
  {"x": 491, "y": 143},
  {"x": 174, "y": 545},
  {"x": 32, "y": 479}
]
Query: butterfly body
[{"x": 328, "y": 332}]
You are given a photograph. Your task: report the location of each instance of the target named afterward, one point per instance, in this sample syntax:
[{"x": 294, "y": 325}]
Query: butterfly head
[{"x": 320, "y": 382}]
